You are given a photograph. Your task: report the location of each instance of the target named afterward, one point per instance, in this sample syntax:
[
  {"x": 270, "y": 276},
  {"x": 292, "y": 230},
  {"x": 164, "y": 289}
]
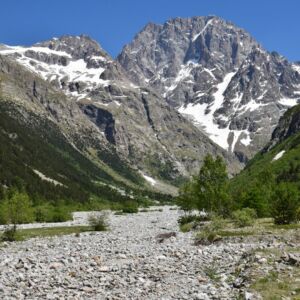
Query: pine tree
[{"x": 286, "y": 202}]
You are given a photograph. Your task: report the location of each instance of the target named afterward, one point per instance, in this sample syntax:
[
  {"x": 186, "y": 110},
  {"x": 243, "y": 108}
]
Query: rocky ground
[{"x": 128, "y": 262}]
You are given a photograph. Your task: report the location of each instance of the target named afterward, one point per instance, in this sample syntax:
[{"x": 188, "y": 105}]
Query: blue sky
[{"x": 113, "y": 23}]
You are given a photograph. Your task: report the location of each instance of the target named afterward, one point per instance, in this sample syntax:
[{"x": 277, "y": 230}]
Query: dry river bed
[{"x": 126, "y": 262}]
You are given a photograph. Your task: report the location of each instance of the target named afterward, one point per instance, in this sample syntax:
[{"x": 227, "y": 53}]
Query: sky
[{"x": 275, "y": 24}]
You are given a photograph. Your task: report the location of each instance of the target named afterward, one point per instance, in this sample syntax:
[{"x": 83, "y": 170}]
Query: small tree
[
  {"x": 186, "y": 199},
  {"x": 17, "y": 209},
  {"x": 285, "y": 204},
  {"x": 256, "y": 197},
  {"x": 212, "y": 186}
]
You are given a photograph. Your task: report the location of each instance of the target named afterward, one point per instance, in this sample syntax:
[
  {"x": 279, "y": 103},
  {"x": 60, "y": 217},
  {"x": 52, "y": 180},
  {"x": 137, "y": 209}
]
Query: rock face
[
  {"x": 136, "y": 121},
  {"x": 289, "y": 124},
  {"x": 217, "y": 75}
]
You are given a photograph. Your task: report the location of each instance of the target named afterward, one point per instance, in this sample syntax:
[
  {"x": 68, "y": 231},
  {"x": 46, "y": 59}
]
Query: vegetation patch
[
  {"x": 99, "y": 221},
  {"x": 25, "y": 234},
  {"x": 244, "y": 217}
]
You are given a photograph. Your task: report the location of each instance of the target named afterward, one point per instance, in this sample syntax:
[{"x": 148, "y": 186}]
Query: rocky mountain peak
[
  {"x": 218, "y": 76},
  {"x": 79, "y": 47}
]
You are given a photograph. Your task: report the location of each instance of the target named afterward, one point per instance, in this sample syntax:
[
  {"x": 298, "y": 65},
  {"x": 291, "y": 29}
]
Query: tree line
[{"x": 268, "y": 194}]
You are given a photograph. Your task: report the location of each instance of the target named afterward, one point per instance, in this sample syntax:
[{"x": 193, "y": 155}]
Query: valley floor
[{"x": 127, "y": 262}]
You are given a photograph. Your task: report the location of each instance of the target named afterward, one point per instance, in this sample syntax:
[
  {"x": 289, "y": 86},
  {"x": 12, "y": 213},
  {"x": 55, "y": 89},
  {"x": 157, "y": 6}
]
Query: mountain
[
  {"x": 216, "y": 75},
  {"x": 48, "y": 144},
  {"x": 75, "y": 84}
]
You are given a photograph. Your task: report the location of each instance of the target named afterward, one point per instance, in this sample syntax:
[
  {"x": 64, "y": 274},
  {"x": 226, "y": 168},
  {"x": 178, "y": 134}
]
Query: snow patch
[
  {"x": 204, "y": 28},
  {"x": 44, "y": 177},
  {"x": 151, "y": 180},
  {"x": 296, "y": 68},
  {"x": 278, "y": 155},
  {"x": 288, "y": 102},
  {"x": 19, "y": 49},
  {"x": 199, "y": 113},
  {"x": 75, "y": 70},
  {"x": 246, "y": 140}
]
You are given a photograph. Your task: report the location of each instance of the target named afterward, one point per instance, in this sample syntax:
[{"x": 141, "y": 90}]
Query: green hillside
[
  {"x": 43, "y": 148},
  {"x": 257, "y": 182}
]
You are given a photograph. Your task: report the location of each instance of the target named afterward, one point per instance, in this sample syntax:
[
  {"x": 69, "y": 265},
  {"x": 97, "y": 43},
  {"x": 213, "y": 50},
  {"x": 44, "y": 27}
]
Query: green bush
[
  {"x": 257, "y": 198},
  {"x": 285, "y": 204},
  {"x": 60, "y": 214},
  {"x": 209, "y": 233},
  {"x": 99, "y": 222},
  {"x": 217, "y": 223},
  {"x": 130, "y": 207},
  {"x": 244, "y": 217},
  {"x": 187, "y": 227},
  {"x": 16, "y": 209},
  {"x": 9, "y": 235},
  {"x": 185, "y": 219},
  {"x": 206, "y": 236},
  {"x": 298, "y": 214},
  {"x": 49, "y": 213}
]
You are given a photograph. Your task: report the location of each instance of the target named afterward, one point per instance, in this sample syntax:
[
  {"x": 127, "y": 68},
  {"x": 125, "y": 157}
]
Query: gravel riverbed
[{"x": 126, "y": 262}]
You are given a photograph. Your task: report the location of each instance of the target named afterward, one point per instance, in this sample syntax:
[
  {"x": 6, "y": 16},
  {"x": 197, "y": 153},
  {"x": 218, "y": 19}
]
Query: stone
[
  {"x": 55, "y": 266},
  {"x": 201, "y": 279},
  {"x": 104, "y": 269}
]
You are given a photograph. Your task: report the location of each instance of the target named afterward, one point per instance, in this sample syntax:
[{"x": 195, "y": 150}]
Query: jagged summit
[
  {"x": 79, "y": 47},
  {"x": 216, "y": 75},
  {"x": 76, "y": 64}
]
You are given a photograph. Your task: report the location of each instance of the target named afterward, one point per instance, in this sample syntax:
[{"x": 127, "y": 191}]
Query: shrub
[
  {"x": 60, "y": 214},
  {"x": 209, "y": 233},
  {"x": 186, "y": 227},
  {"x": 298, "y": 214},
  {"x": 16, "y": 209},
  {"x": 99, "y": 222},
  {"x": 217, "y": 223},
  {"x": 207, "y": 236},
  {"x": 285, "y": 204},
  {"x": 257, "y": 198},
  {"x": 9, "y": 235},
  {"x": 49, "y": 213},
  {"x": 130, "y": 207},
  {"x": 40, "y": 214},
  {"x": 185, "y": 219},
  {"x": 244, "y": 217}
]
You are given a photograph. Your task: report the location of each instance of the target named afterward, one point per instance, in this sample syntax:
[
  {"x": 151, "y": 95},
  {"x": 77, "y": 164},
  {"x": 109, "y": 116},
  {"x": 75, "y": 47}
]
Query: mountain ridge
[
  {"x": 122, "y": 114},
  {"x": 212, "y": 87}
]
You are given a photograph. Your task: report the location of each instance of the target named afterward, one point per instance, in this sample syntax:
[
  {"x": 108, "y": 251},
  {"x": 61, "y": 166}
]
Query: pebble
[{"x": 126, "y": 262}]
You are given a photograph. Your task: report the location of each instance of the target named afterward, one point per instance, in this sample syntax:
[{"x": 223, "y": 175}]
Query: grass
[
  {"x": 25, "y": 234},
  {"x": 186, "y": 227},
  {"x": 261, "y": 227},
  {"x": 211, "y": 272},
  {"x": 237, "y": 233},
  {"x": 276, "y": 284},
  {"x": 285, "y": 227}
]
